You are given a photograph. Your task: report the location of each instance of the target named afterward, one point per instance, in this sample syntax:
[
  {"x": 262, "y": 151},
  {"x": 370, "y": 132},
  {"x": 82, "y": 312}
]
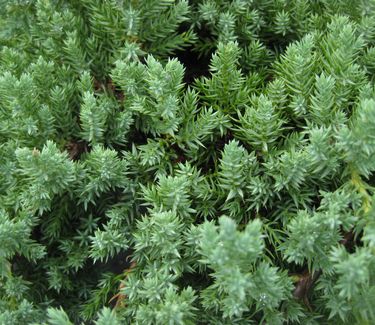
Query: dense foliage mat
[{"x": 187, "y": 162}]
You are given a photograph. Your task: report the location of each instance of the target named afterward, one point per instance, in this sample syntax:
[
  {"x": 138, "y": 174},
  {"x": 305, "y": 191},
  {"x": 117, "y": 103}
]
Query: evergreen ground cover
[{"x": 187, "y": 162}]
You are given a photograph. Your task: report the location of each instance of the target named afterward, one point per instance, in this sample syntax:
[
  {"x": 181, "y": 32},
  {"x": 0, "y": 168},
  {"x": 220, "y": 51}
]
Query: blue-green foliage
[{"x": 128, "y": 196}]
